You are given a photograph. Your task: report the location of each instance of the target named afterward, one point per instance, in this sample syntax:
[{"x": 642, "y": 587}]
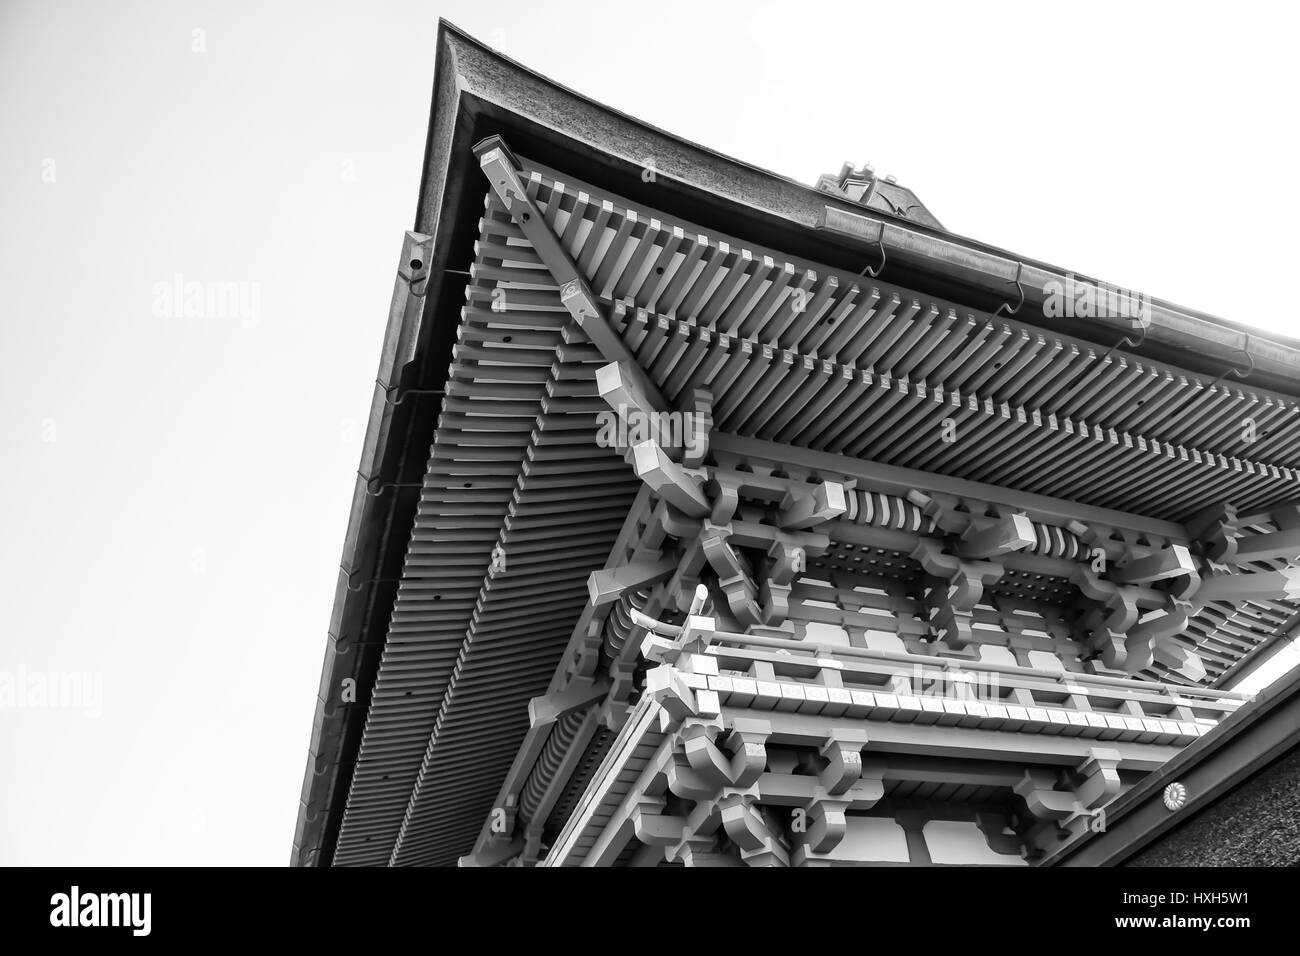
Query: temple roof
[{"x": 464, "y": 569}]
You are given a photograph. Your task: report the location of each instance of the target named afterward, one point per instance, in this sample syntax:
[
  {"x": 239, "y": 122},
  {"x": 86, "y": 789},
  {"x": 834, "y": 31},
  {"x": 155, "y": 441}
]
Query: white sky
[{"x": 175, "y": 490}]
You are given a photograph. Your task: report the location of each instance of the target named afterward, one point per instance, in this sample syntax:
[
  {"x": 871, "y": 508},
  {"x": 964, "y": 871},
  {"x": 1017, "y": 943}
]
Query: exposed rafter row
[
  {"x": 786, "y": 396},
  {"x": 673, "y": 268}
]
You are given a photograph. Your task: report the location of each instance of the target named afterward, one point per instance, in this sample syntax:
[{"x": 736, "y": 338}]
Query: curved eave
[{"x": 565, "y": 130}]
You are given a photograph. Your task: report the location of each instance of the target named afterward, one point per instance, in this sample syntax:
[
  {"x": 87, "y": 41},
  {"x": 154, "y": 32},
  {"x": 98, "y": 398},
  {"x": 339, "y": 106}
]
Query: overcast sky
[{"x": 175, "y": 487}]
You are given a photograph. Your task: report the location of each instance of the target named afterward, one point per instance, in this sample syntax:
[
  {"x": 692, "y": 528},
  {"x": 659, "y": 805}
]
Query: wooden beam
[
  {"x": 667, "y": 479},
  {"x": 1244, "y": 587},
  {"x": 607, "y": 586},
  {"x": 543, "y": 711},
  {"x": 622, "y": 389},
  {"x": 1267, "y": 547},
  {"x": 1172, "y": 562},
  {"x": 888, "y": 737},
  {"x": 1013, "y": 532},
  {"x": 896, "y": 480},
  {"x": 801, "y": 510},
  {"x": 502, "y": 171}
]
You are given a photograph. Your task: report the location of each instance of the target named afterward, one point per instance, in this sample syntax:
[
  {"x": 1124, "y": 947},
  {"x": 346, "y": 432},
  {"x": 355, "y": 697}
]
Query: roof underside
[
  {"x": 515, "y": 472},
  {"x": 493, "y": 564}
]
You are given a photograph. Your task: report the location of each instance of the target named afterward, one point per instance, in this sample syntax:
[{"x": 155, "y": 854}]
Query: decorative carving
[{"x": 952, "y": 601}]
